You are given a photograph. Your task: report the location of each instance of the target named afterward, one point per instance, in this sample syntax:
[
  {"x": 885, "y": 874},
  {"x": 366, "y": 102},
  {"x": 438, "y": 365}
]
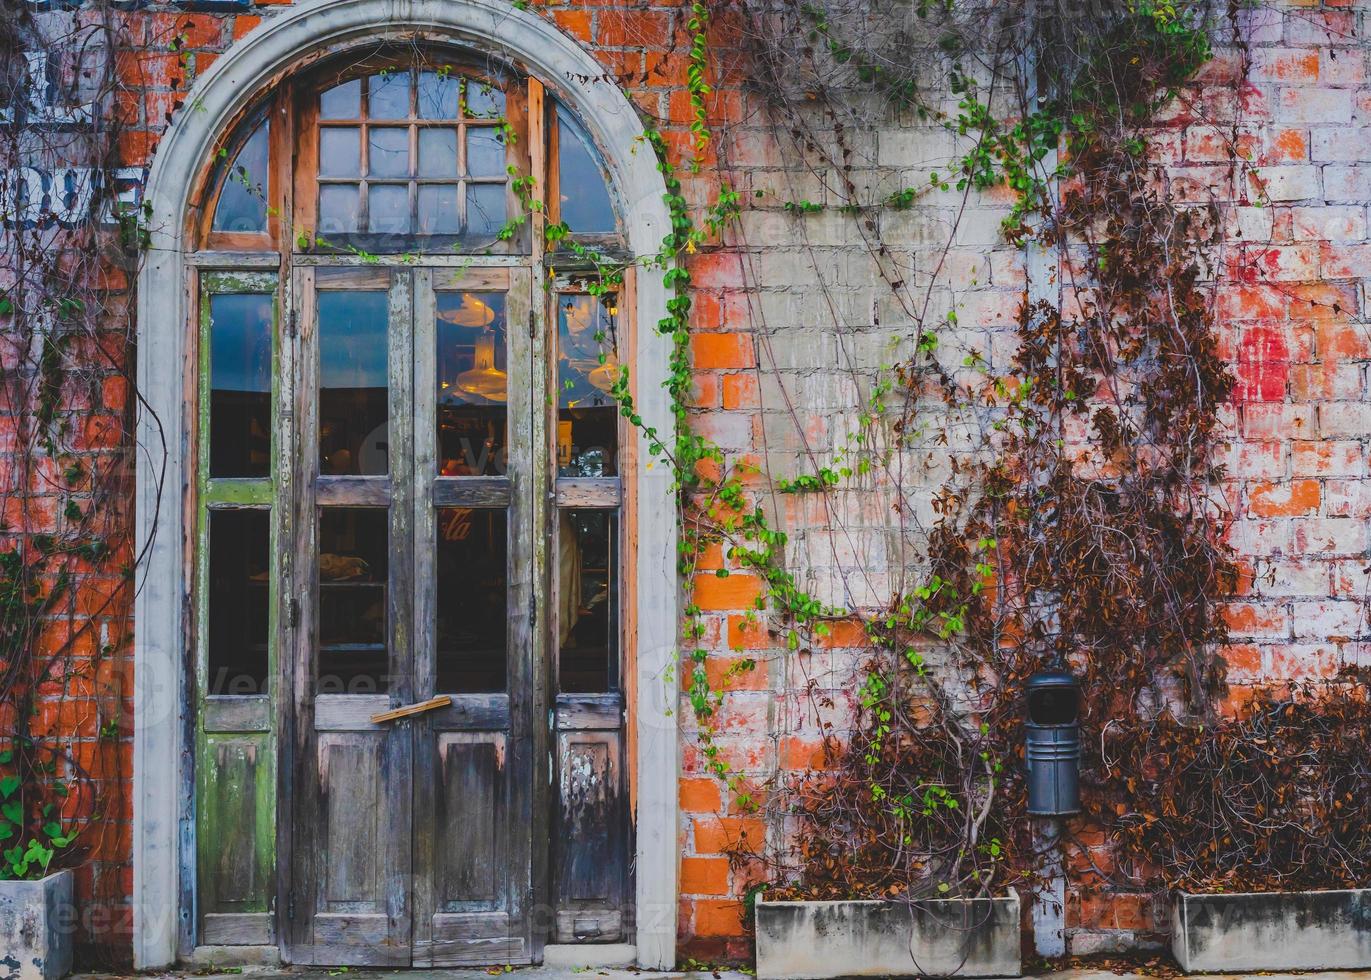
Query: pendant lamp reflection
[
  {"x": 485, "y": 379},
  {"x": 471, "y": 313},
  {"x": 585, "y": 337},
  {"x": 603, "y": 376}
]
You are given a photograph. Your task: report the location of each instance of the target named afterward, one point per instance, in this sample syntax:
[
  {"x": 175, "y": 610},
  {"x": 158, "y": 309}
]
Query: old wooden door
[{"x": 413, "y": 588}]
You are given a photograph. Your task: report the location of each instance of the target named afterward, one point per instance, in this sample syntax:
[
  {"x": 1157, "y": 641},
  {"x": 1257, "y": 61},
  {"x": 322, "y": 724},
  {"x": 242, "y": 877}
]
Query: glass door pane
[
  {"x": 354, "y": 568},
  {"x": 354, "y": 385},
  {"x": 472, "y": 382},
  {"x": 472, "y": 615}
]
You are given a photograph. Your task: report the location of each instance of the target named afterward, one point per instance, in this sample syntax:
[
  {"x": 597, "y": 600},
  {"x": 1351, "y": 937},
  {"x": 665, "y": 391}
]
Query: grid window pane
[
  {"x": 485, "y": 152},
  {"x": 388, "y": 208},
  {"x": 340, "y": 151},
  {"x": 401, "y": 147},
  {"x": 338, "y": 208},
  {"x": 437, "y": 95},
  {"x": 388, "y": 151},
  {"x": 342, "y": 101},
  {"x": 438, "y": 209},
  {"x": 388, "y": 95},
  {"x": 483, "y": 100},
  {"x": 437, "y": 152},
  {"x": 485, "y": 208}
]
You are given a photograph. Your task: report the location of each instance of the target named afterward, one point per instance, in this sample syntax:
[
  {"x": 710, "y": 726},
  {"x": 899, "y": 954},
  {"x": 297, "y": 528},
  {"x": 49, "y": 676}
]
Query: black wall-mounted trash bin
[{"x": 1053, "y": 749}]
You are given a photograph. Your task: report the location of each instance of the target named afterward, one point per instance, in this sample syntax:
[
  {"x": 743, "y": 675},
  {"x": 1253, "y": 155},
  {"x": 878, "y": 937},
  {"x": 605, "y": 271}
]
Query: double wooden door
[{"x": 414, "y": 602}]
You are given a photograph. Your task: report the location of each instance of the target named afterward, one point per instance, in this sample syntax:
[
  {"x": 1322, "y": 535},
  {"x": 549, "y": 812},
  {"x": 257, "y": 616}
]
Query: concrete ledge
[
  {"x": 1324, "y": 930},
  {"x": 597, "y": 955},
  {"x": 942, "y": 937},
  {"x": 211, "y": 957}
]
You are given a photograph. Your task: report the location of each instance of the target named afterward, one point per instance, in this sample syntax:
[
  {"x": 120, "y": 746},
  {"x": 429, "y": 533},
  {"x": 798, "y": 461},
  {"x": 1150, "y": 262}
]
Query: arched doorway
[{"x": 419, "y": 551}]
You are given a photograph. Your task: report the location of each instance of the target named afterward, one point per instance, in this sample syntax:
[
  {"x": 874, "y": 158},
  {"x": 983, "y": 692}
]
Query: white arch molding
[{"x": 163, "y": 830}]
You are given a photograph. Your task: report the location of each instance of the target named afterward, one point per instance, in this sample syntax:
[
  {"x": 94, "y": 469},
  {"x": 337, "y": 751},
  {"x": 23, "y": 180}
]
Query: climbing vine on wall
[{"x": 1083, "y": 524}]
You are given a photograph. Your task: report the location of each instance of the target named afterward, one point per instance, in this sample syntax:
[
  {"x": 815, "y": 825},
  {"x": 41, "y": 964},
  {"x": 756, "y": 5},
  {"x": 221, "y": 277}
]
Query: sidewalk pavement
[{"x": 597, "y": 973}]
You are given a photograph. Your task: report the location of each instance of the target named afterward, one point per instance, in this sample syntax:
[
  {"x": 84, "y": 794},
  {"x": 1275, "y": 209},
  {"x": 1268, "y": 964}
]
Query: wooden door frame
[
  {"x": 531, "y": 326},
  {"x": 163, "y": 830}
]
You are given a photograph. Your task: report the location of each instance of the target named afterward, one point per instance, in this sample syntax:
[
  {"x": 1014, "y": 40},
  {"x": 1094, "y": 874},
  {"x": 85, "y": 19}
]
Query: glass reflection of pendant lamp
[
  {"x": 472, "y": 313},
  {"x": 484, "y": 378},
  {"x": 603, "y": 376},
  {"x": 583, "y": 344},
  {"x": 578, "y": 314}
]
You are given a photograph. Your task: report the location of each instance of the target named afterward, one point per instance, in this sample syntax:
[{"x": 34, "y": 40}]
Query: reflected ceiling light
[
  {"x": 580, "y": 314},
  {"x": 485, "y": 379},
  {"x": 603, "y": 376},
  {"x": 472, "y": 313}
]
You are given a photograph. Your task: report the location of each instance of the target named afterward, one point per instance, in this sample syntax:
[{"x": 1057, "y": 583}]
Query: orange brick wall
[{"x": 792, "y": 308}]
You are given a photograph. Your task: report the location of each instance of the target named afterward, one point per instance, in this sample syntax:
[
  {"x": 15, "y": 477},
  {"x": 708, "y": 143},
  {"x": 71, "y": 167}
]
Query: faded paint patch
[{"x": 1263, "y": 365}]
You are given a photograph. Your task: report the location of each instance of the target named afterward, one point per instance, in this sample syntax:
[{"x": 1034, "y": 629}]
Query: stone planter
[
  {"x": 37, "y": 926},
  {"x": 1272, "y": 931},
  {"x": 942, "y": 937}
]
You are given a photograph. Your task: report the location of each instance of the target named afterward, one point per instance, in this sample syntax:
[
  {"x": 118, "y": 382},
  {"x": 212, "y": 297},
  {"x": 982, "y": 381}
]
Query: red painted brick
[
  {"x": 1297, "y": 497},
  {"x": 747, "y": 633},
  {"x": 722, "y": 351},
  {"x": 701, "y": 796},
  {"x": 718, "y": 918},
  {"x": 740, "y": 391},
  {"x": 736, "y": 591},
  {"x": 704, "y": 876},
  {"x": 574, "y": 22},
  {"x": 244, "y": 23},
  {"x": 719, "y": 835}
]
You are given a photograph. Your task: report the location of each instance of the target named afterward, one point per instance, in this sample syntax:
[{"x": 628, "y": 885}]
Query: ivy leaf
[
  {"x": 6, "y": 830},
  {"x": 7, "y": 786},
  {"x": 13, "y": 811}
]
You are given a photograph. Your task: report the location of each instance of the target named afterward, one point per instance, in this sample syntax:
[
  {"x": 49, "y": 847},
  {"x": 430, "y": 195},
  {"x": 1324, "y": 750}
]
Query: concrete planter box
[
  {"x": 37, "y": 926},
  {"x": 1272, "y": 931},
  {"x": 941, "y": 937}
]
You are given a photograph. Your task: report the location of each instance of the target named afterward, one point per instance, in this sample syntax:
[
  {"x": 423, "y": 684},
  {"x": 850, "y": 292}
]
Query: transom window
[
  {"x": 413, "y": 152},
  {"x": 411, "y": 521},
  {"x": 392, "y": 158}
]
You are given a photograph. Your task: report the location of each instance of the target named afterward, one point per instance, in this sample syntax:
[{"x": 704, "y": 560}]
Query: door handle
[{"x": 418, "y": 708}]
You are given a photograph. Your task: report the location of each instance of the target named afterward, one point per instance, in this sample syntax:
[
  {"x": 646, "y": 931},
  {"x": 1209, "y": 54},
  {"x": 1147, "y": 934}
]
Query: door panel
[
  {"x": 590, "y": 829},
  {"x": 472, "y": 870},
  {"x": 421, "y": 566},
  {"x": 349, "y": 894},
  {"x": 474, "y": 617},
  {"x": 350, "y": 771}
]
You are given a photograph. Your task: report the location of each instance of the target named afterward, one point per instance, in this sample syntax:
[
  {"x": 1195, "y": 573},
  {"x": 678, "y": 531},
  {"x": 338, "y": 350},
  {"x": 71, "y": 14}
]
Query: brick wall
[{"x": 796, "y": 316}]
